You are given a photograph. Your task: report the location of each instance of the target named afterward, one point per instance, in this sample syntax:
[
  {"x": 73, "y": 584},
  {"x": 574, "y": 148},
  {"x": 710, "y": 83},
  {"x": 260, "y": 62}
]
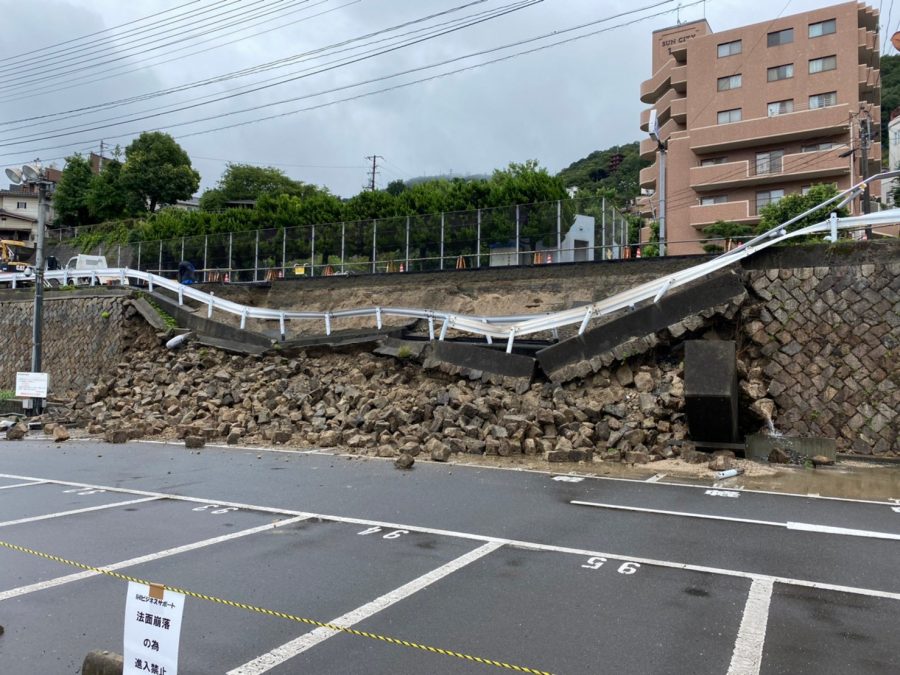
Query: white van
[{"x": 80, "y": 266}]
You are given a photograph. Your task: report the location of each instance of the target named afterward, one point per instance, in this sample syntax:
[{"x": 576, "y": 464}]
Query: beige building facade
[{"x": 755, "y": 113}]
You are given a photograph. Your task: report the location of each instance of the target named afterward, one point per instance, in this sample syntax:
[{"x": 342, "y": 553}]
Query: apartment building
[{"x": 752, "y": 114}]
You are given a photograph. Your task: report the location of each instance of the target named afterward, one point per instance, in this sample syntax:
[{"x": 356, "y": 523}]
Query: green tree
[
  {"x": 726, "y": 230},
  {"x": 107, "y": 199},
  {"x": 158, "y": 170},
  {"x": 395, "y": 187},
  {"x": 245, "y": 181},
  {"x": 70, "y": 199},
  {"x": 789, "y": 206},
  {"x": 213, "y": 200},
  {"x": 613, "y": 173}
]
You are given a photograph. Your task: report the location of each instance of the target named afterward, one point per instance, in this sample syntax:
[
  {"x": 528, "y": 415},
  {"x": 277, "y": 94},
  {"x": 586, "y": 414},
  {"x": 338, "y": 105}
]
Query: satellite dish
[
  {"x": 32, "y": 171},
  {"x": 895, "y": 40},
  {"x": 14, "y": 175}
]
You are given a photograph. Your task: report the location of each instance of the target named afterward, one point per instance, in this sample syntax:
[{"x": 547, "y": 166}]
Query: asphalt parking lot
[{"x": 476, "y": 569}]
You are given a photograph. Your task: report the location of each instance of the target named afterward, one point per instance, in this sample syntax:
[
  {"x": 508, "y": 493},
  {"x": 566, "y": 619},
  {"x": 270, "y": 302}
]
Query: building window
[
  {"x": 769, "y": 162},
  {"x": 712, "y": 161},
  {"x": 729, "y": 48},
  {"x": 718, "y": 199},
  {"x": 768, "y": 197},
  {"x": 822, "y": 28},
  {"x": 823, "y": 100},
  {"x": 781, "y": 37},
  {"x": 817, "y": 147},
  {"x": 780, "y": 107},
  {"x": 729, "y": 82},
  {"x": 729, "y": 116},
  {"x": 21, "y": 205},
  {"x": 781, "y": 72},
  {"x": 823, "y": 64}
]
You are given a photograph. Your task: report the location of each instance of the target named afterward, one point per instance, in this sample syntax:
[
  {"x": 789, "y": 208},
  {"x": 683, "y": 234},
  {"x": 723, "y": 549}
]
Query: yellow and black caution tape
[{"x": 280, "y": 615}]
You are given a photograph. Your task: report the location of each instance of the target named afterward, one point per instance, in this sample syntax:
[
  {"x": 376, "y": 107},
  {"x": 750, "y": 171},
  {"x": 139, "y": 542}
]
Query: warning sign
[{"x": 152, "y": 630}]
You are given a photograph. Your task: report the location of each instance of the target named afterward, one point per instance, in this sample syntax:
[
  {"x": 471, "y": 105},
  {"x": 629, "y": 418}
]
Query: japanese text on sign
[{"x": 152, "y": 630}]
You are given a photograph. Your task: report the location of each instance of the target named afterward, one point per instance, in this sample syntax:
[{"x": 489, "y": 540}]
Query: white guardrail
[{"x": 506, "y": 328}]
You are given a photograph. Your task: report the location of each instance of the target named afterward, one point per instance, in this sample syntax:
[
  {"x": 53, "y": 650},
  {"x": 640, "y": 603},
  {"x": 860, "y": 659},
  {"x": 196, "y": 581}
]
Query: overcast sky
[{"x": 555, "y": 105}]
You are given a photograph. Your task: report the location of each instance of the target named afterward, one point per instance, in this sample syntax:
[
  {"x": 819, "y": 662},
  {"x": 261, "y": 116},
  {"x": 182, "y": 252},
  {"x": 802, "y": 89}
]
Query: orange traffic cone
[
  {"x": 227, "y": 279},
  {"x": 639, "y": 252},
  {"x": 402, "y": 267}
]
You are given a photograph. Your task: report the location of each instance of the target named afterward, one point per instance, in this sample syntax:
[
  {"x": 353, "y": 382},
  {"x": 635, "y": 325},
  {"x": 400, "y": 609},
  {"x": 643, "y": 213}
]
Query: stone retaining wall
[{"x": 84, "y": 335}]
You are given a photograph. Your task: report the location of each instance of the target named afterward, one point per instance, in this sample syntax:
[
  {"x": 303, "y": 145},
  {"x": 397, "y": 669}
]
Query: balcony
[
  {"x": 648, "y": 176},
  {"x": 736, "y": 212},
  {"x": 868, "y": 78},
  {"x": 794, "y": 167},
  {"x": 868, "y": 43},
  {"x": 667, "y": 76},
  {"x": 679, "y": 110},
  {"x": 663, "y": 109},
  {"x": 794, "y": 126}
]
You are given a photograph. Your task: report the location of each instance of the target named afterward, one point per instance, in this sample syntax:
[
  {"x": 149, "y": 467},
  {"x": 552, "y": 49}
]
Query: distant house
[{"x": 19, "y": 209}]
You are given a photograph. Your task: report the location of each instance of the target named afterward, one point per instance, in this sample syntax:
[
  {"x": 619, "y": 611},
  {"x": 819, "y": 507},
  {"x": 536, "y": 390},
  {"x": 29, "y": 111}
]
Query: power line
[
  {"x": 404, "y": 85},
  {"x": 69, "y": 131},
  {"x": 354, "y": 167}
]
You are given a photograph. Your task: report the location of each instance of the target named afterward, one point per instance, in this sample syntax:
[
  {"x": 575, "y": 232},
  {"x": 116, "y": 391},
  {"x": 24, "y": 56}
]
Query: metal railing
[{"x": 506, "y": 328}]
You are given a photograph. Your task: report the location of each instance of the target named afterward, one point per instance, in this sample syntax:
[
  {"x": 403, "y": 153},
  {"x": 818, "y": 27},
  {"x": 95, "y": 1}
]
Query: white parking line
[
  {"x": 279, "y": 655},
  {"x": 18, "y": 485},
  {"x": 528, "y": 545},
  {"x": 62, "y": 514},
  {"x": 748, "y": 647},
  {"x": 805, "y": 527},
  {"x": 59, "y": 581}
]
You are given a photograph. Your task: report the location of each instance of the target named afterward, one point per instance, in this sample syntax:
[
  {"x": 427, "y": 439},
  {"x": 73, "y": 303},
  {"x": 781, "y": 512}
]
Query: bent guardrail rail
[{"x": 503, "y": 327}]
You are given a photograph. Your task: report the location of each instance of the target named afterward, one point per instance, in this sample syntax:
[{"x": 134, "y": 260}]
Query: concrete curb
[{"x": 102, "y": 663}]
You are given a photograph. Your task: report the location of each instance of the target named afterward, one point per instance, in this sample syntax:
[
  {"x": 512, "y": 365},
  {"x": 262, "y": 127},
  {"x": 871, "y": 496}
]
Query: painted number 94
[{"x": 595, "y": 563}]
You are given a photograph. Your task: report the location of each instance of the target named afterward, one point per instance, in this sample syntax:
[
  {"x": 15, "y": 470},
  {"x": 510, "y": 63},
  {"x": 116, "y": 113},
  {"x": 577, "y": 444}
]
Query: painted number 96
[{"x": 595, "y": 563}]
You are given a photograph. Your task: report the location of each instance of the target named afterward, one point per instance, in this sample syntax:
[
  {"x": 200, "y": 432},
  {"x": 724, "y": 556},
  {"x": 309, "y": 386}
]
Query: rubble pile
[{"x": 389, "y": 407}]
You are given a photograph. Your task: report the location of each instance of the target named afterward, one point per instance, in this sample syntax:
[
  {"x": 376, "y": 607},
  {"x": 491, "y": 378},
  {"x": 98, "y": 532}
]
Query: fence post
[
  {"x": 407, "y": 244},
  {"x": 478, "y": 239},
  {"x": 374, "y": 237},
  {"x": 139, "y": 256},
  {"x": 343, "y": 240},
  {"x": 518, "y": 261},
  {"x": 205, "y": 253},
  {"x": 119, "y": 256},
  {"x": 442, "y": 243},
  {"x": 256, "y": 258},
  {"x": 603, "y": 230},
  {"x": 182, "y": 249},
  {"x": 230, "y": 242},
  {"x": 283, "y": 250},
  {"x": 159, "y": 271},
  {"x": 558, "y": 228},
  {"x": 312, "y": 250}
]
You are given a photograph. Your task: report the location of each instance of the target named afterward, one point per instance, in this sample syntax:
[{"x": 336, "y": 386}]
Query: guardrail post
[
  {"x": 209, "y": 306},
  {"x": 205, "y": 252},
  {"x": 478, "y": 238},
  {"x": 327, "y": 323},
  {"x": 442, "y": 246},
  {"x": 407, "y": 244},
  {"x": 378, "y": 318},
  {"x": 243, "y": 319},
  {"x": 374, "y": 236},
  {"x": 180, "y": 295},
  {"x": 490, "y": 340},
  {"x": 121, "y": 277},
  {"x": 312, "y": 245},
  {"x": 431, "y": 328},
  {"x": 150, "y": 282},
  {"x": 343, "y": 241},
  {"x": 93, "y": 278},
  {"x": 281, "y": 325},
  {"x": 159, "y": 269},
  {"x": 444, "y": 329},
  {"x": 585, "y": 320},
  {"x": 509, "y": 342},
  {"x": 256, "y": 259}
]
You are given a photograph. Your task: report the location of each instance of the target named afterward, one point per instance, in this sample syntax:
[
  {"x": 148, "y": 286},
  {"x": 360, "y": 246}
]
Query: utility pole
[
  {"x": 864, "y": 134},
  {"x": 100, "y": 161},
  {"x": 374, "y": 172}
]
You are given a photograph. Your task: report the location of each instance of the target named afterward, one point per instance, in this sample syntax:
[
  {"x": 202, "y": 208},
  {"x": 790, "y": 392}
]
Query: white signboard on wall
[{"x": 32, "y": 385}]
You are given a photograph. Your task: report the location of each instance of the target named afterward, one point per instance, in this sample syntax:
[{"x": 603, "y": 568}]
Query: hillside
[{"x": 613, "y": 170}]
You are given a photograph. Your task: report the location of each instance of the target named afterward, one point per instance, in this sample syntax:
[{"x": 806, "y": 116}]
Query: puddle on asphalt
[{"x": 849, "y": 480}]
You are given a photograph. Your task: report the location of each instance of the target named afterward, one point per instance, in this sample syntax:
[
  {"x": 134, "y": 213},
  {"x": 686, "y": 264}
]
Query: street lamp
[
  {"x": 653, "y": 130},
  {"x": 33, "y": 174}
]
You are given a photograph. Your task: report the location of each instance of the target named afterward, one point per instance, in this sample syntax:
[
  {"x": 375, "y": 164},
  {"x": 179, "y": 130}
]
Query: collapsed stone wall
[{"x": 83, "y": 336}]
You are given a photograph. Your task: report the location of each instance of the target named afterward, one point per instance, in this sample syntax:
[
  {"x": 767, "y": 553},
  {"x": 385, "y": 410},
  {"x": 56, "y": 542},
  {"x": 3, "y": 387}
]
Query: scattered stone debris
[
  {"x": 17, "y": 431},
  {"x": 821, "y": 460},
  {"x": 60, "y": 433},
  {"x": 404, "y": 461}
]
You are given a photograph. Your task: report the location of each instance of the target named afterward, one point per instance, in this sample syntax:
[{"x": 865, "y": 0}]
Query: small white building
[
  {"x": 18, "y": 215},
  {"x": 577, "y": 246}
]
